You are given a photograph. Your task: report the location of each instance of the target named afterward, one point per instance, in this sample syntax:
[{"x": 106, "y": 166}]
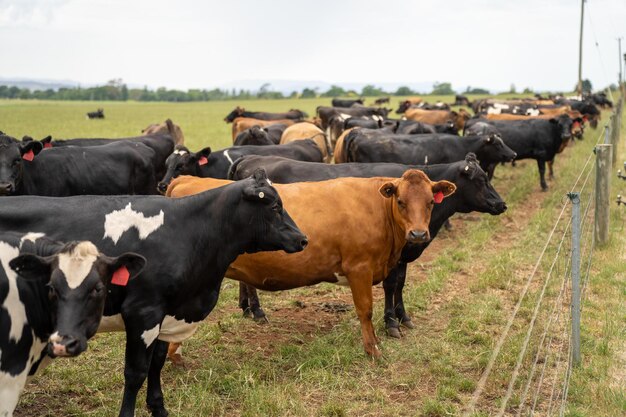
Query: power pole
[
  {"x": 580, "y": 50},
  {"x": 619, "y": 45}
]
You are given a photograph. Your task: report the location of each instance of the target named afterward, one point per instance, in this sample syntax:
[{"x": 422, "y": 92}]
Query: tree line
[{"x": 116, "y": 90}]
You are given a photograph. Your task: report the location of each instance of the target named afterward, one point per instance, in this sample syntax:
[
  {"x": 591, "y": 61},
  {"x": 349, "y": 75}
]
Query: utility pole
[
  {"x": 580, "y": 50},
  {"x": 619, "y": 45}
]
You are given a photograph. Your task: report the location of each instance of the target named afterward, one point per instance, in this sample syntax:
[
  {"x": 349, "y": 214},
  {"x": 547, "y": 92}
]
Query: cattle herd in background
[{"x": 86, "y": 239}]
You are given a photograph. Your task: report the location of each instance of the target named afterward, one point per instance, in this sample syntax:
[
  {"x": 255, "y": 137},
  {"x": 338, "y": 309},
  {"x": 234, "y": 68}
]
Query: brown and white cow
[
  {"x": 307, "y": 130},
  {"x": 356, "y": 228}
]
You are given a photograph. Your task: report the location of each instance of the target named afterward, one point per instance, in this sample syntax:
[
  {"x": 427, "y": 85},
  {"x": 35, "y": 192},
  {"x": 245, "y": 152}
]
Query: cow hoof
[
  {"x": 261, "y": 319},
  {"x": 408, "y": 324},
  {"x": 158, "y": 411},
  {"x": 394, "y": 332},
  {"x": 177, "y": 360},
  {"x": 374, "y": 352},
  {"x": 544, "y": 189},
  {"x": 247, "y": 313}
]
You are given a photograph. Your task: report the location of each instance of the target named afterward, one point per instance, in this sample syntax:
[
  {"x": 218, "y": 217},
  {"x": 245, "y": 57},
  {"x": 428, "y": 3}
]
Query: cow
[
  {"x": 180, "y": 283},
  {"x": 275, "y": 132},
  {"x": 338, "y": 102},
  {"x": 52, "y": 296},
  {"x": 325, "y": 113},
  {"x": 588, "y": 109},
  {"x": 242, "y": 123},
  {"x": 382, "y": 100},
  {"x": 411, "y": 127},
  {"x": 253, "y": 136},
  {"x": 537, "y": 139},
  {"x": 438, "y": 116},
  {"x": 376, "y": 216},
  {"x": 340, "y": 152},
  {"x": 98, "y": 114},
  {"x": 292, "y": 114},
  {"x": 205, "y": 163},
  {"x": 117, "y": 168},
  {"x": 167, "y": 127},
  {"x": 306, "y": 130},
  {"x": 405, "y": 104},
  {"x": 474, "y": 192},
  {"x": 460, "y": 100},
  {"x": 372, "y": 146},
  {"x": 578, "y": 125},
  {"x": 338, "y": 123}
]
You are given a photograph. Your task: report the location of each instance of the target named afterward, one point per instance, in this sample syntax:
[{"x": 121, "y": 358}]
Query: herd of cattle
[{"x": 87, "y": 244}]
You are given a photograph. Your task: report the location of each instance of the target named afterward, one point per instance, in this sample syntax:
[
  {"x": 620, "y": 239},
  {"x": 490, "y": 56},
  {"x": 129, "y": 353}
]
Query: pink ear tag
[
  {"x": 47, "y": 145},
  {"x": 120, "y": 277},
  {"x": 29, "y": 156},
  {"x": 202, "y": 161},
  {"x": 438, "y": 197}
]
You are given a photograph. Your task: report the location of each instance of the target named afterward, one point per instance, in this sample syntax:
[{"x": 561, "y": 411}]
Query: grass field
[{"x": 308, "y": 360}]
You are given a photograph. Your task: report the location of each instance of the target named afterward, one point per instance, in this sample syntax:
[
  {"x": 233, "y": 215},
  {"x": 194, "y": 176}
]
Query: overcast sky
[{"x": 205, "y": 43}]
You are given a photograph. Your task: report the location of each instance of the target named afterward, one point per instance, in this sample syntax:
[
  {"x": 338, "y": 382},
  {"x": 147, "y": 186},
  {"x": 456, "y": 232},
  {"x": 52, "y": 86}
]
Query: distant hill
[
  {"x": 35, "y": 84},
  {"x": 287, "y": 86}
]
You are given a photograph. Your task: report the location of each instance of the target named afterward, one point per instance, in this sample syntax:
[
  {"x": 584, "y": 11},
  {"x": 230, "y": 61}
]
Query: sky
[{"x": 207, "y": 43}]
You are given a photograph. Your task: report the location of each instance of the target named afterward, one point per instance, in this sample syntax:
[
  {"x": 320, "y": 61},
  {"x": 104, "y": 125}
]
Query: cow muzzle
[
  {"x": 64, "y": 346},
  {"x": 418, "y": 236},
  {"x": 6, "y": 188},
  {"x": 162, "y": 187}
]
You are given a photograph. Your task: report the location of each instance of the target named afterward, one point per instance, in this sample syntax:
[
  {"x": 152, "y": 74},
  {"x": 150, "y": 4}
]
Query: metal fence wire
[{"x": 549, "y": 344}]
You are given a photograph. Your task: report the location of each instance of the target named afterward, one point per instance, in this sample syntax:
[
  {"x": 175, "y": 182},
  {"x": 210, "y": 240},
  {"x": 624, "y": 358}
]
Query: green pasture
[{"x": 308, "y": 360}]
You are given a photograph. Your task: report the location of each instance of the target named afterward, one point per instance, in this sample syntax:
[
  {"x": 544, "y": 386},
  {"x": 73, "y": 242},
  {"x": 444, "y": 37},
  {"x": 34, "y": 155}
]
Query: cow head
[
  {"x": 262, "y": 218},
  {"x": 182, "y": 162},
  {"x": 459, "y": 118},
  {"x": 301, "y": 114},
  {"x": 563, "y": 126},
  {"x": 413, "y": 198},
  {"x": 238, "y": 112},
  {"x": 77, "y": 278},
  {"x": 494, "y": 149},
  {"x": 167, "y": 127},
  {"x": 13, "y": 156},
  {"x": 404, "y": 105},
  {"x": 253, "y": 136},
  {"x": 578, "y": 127},
  {"x": 474, "y": 191}
]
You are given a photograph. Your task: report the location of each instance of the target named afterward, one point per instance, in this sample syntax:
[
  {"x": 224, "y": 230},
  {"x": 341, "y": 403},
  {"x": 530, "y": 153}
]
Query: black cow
[
  {"x": 412, "y": 127},
  {"x": 98, "y": 114},
  {"x": 537, "y": 139},
  {"x": 254, "y": 136},
  {"x": 117, "y": 168},
  {"x": 275, "y": 132},
  {"x": 339, "y": 102},
  {"x": 325, "y": 113},
  {"x": 162, "y": 144},
  {"x": 180, "y": 283},
  {"x": 588, "y": 109},
  {"x": 374, "y": 146},
  {"x": 460, "y": 100},
  {"x": 205, "y": 163},
  {"x": 474, "y": 193},
  {"x": 51, "y": 301},
  {"x": 292, "y": 114},
  {"x": 382, "y": 100}
]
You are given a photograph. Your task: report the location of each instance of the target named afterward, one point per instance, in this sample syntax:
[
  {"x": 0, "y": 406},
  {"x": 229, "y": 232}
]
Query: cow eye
[
  {"x": 52, "y": 293},
  {"x": 96, "y": 291},
  {"x": 401, "y": 204}
]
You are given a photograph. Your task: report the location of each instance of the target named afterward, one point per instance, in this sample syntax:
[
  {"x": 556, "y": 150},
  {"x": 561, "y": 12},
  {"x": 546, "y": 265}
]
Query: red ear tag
[
  {"x": 120, "y": 277},
  {"x": 203, "y": 160},
  {"x": 47, "y": 145},
  {"x": 438, "y": 197},
  {"x": 29, "y": 156}
]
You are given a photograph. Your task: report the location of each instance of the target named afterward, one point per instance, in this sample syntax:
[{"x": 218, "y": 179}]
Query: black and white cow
[
  {"x": 117, "y": 168},
  {"x": 180, "y": 284},
  {"x": 205, "y": 163},
  {"x": 52, "y": 297}
]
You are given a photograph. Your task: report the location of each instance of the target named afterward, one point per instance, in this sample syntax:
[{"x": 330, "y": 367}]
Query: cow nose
[
  {"x": 72, "y": 346},
  {"x": 162, "y": 187},
  {"x": 501, "y": 207},
  {"x": 304, "y": 242},
  {"x": 418, "y": 236},
  {"x": 6, "y": 188}
]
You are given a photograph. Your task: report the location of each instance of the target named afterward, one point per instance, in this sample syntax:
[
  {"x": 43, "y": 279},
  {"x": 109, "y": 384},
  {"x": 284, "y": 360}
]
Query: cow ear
[
  {"x": 255, "y": 191},
  {"x": 124, "y": 267},
  {"x": 388, "y": 190},
  {"x": 34, "y": 146},
  {"x": 445, "y": 187},
  {"x": 32, "y": 267}
]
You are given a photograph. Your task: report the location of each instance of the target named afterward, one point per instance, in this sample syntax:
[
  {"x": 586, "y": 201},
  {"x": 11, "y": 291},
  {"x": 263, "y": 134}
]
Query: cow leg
[
  {"x": 391, "y": 324},
  {"x": 361, "y": 287},
  {"x": 243, "y": 300},
  {"x": 137, "y": 363},
  {"x": 154, "y": 394},
  {"x": 541, "y": 164},
  {"x": 398, "y": 300},
  {"x": 550, "y": 171},
  {"x": 255, "y": 305},
  {"x": 175, "y": 354}
]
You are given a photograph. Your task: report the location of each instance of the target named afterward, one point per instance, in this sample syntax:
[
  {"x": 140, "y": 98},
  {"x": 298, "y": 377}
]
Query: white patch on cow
[
  {"x": 149, "y": 335},
  {"x": 533, "y": 112},
  {"x": 55, "y": 338},
  {"x": 377, "y": 118},
  {"x": 426, "y": 160},
  {"x": 12, "y": 303},
  {"x": 119, "y": 221},
  {"x": 31, "y": 236},
  {"x": 343, "y": 117},
  {"x": 341, "y": 280},
  {"x": 180, "y": 152},
  {"x": 77, "y": 263},
  {"x": 491, "y": 110},
  {"x": 270, "y": 182},
  {"x": 500, "y": 106},
  {"x": 228, "y": 156},
  {"x": 172, "y": 330}
]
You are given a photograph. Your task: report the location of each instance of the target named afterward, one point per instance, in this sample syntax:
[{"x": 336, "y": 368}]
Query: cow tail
[{"x": 232, "y": 171}]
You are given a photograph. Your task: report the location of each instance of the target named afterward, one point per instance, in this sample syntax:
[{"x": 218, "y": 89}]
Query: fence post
[
  {"x": 603, "y": 184},
  {"x": 575, "y": 199}
]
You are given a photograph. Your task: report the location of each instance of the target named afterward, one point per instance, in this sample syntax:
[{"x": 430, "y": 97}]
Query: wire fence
[{"x": 541, "y": 361}]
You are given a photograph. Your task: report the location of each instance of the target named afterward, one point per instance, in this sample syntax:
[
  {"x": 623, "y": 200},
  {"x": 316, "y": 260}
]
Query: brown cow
[
  {"x": 356, "y": 227},
  {"x": 242, "y": 123},
  {"x": 555, "y": 111},
  {"x": 438, "y": 117},
  {"x": 166, "y": 127},
  {"x": 306, "y": 130},
  {"x": 340, "y": 154}
]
